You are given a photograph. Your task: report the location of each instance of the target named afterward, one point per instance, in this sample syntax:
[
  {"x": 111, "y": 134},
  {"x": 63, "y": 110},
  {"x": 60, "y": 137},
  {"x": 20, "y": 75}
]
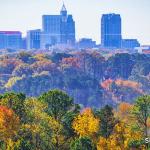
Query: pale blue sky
[{"x": 27, "y": 14}]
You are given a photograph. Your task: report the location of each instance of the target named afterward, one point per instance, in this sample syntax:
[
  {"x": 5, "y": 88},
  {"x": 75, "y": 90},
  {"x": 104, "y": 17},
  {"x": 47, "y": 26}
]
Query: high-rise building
[
  {"x": 33, "y": 39},
  {"x": 57, "y": 29},
  {"x": 111, "y": 31},
  {"x": 10, "y": 40}
]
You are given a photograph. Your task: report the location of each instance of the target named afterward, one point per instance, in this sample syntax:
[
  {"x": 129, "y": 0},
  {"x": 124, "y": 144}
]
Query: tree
[
  {"x": 15, "y": 101},
  {"x": 107, "y": 120},
  {"x": 120, "y": 66},
  {"x": 58, "y": 103},
  {"x": 67, "y": 120},
  {"x": 57, "y": 57},
  {"x": 86, "y": 124},
  {"x": 23, "y": 69},
  {"x": 43, "y": 65},
  {"x": 82, "y": 143},
  {"x": 25, "y": 56},
  {"x": 141, "y": 112},
  {"x": 124, "y": 113},
  {"x": 9, "y": 126},
  {"x": 44, "y": 131},
  {"x": 102, "y": 144},
  {"x": 121, "y": 137},
  {"x": 8, "y": 65}
]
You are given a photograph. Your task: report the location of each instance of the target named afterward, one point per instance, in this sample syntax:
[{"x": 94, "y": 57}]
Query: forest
[
  {"x": 80, "y": 100},
  {"x": 93, "y": 79},
  {"x": 52, "y": 121}
]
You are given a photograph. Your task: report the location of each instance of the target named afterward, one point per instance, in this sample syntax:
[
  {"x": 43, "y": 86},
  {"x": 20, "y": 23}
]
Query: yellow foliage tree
[
  {"x": 86, "y": 124},
  {"x": 41, "y": 125},
  {"x": 120, "y": 139},
  {"x": 12, "y": 81}
]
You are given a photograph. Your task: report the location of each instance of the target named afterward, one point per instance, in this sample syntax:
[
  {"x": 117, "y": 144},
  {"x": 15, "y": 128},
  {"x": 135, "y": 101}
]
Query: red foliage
[
  {"x": 128, "y": 83},
  {"x": 71, "y": 61},
  {"x": 106, "y": 84}
]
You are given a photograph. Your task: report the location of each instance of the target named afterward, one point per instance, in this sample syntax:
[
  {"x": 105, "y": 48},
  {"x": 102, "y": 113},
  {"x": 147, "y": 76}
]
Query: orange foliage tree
[
  {"x": 9, "y": 125},
  {"x": 124, "y": 112}
]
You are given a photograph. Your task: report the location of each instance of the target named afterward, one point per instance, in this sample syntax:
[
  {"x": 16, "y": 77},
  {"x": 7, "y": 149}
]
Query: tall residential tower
[{"x": 111, "y": 31}]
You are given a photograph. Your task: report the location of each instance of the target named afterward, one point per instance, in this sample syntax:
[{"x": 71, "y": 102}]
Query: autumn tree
[
  {"x": 22, "y": 69},
  {"x": 122, "y": 135},
  {"x": 15, "y": 101},
  {"x": 124, "y": 113},
  {"x": 102, "y": 144},
  {"x": 24, "y": 56},
  {"x": 8, "y": 65},
  {"x": 40, "y": 57},
  {"x": 44, "y": 131},
  {"x": 43, "y": 65},
  {"x": 86, "y": 124},
  {"x": 9, "y": 127}
]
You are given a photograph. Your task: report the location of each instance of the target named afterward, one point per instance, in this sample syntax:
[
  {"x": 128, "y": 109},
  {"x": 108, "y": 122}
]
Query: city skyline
[{"x": 135, "y": 26}]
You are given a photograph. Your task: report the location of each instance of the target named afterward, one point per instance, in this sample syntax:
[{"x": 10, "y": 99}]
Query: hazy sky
[{"x": 27, "y": 14}]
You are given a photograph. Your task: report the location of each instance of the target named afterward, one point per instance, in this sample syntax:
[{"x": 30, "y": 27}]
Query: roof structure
[
  {"x": 63, "y": 8},
  {"x": 10, "y": 32}
]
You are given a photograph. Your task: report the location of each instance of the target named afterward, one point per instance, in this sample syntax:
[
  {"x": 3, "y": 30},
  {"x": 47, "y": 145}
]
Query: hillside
[{"x": 91, "y": 78}]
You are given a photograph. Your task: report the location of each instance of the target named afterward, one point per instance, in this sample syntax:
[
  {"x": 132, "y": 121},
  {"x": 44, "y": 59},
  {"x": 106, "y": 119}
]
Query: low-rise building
[
  {"x": 33, "y": 39},
  {"x": 86, "y": 43},
  {"x": 10, "y": 39},
  {"x": 130, "y": 43}
]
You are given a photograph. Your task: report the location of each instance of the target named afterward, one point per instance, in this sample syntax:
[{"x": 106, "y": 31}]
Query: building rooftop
[{"x": 10, "y": 32}]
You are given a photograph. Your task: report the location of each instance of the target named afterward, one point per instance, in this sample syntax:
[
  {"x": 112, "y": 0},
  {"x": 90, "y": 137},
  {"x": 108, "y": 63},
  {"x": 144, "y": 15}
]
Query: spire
[
  {"x": 63, "y": 7},
  {"x": 63, "y": 11}
]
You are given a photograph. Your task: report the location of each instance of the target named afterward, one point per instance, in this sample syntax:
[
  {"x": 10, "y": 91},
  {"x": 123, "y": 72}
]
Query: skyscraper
[
  {"x": 111, "y": 30},
  {"x": 57, "y": 29}
]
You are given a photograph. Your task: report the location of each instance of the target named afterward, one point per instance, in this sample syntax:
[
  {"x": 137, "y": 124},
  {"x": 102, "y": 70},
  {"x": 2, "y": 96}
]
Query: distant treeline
[{"x": 87, "y": 76}]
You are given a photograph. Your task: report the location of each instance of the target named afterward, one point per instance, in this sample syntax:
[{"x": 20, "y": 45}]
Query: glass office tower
[
  {"x": 111, "y": 31},
  {"x": 57, "y": 29}
]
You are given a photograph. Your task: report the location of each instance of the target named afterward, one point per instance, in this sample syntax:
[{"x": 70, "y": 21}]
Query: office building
[
  {"x": 10, "y": 40},
  {"x": 24, "y": 43},
  {"x": 86, "y": 43},
  {"x": 57, "y": 29},
  {"x": 111, "y": 31},
  {"x": 130, "y": 43},
  {"x": 33, "y": 39}
]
